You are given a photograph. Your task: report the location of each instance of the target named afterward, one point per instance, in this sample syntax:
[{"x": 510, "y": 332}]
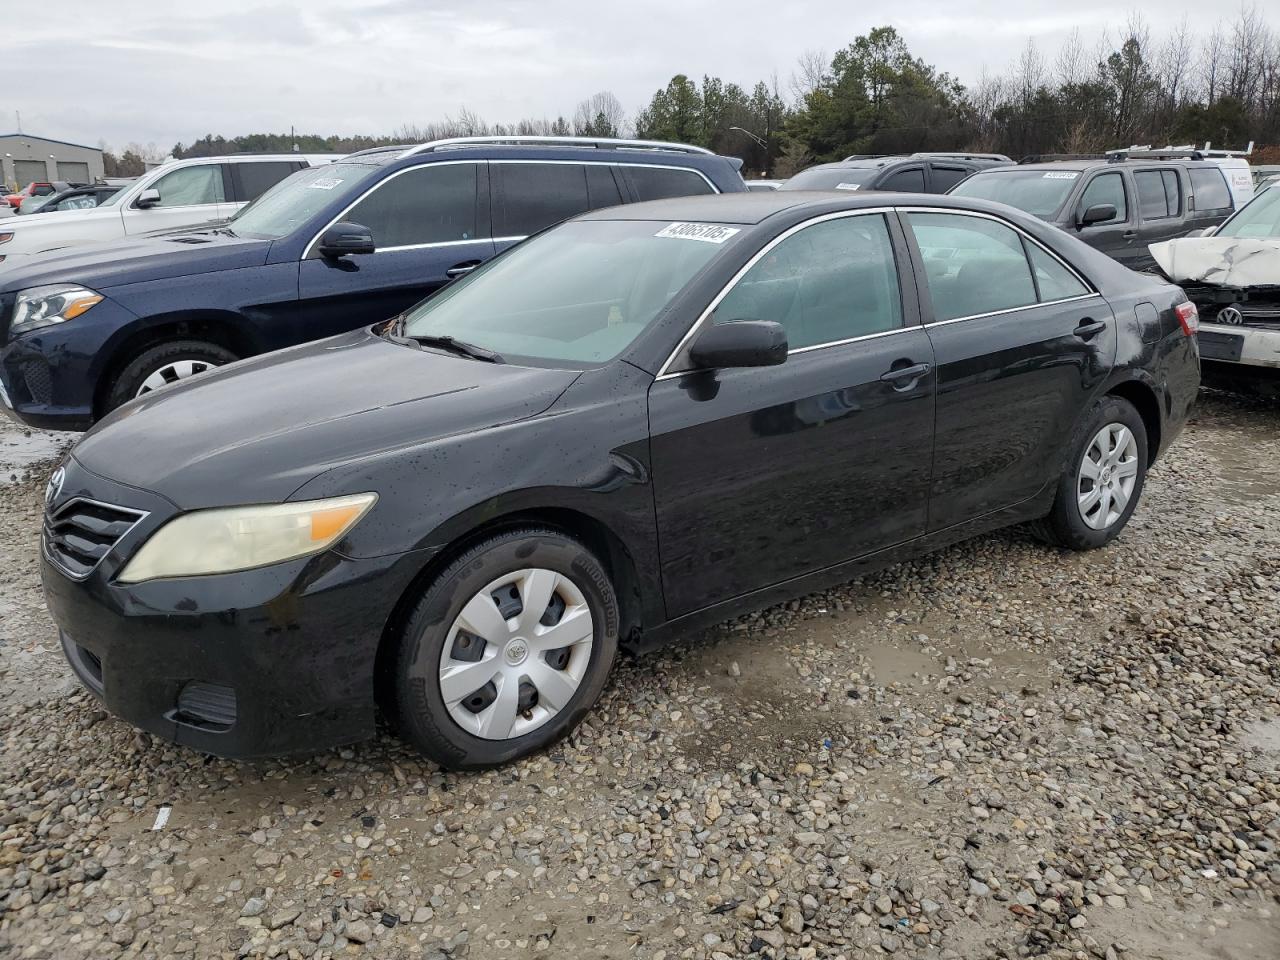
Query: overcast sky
[{"x": 146, "y": 71}]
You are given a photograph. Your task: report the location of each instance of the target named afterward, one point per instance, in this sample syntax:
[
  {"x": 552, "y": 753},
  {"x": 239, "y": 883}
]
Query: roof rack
[
  {"x": 865, "y": 156},
  {"x": 1056, "y": 157},
  {"x": 389, "y": 148},
  {"x": 962, "y": 155},
  {"x": 595, "y": 143}
]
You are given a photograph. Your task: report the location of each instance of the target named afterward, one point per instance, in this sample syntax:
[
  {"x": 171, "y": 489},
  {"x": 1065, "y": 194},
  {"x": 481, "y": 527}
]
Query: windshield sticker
[
  {"x": 325, "y": 183},
  {"x": 706, "y": 232},
  {"x": 847, "y": 186},
  {"x": 1061, "y": 175}
]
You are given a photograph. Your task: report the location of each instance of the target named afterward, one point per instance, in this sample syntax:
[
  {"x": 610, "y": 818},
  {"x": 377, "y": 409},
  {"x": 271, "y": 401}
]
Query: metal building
[{"x": 24, "y": 158}]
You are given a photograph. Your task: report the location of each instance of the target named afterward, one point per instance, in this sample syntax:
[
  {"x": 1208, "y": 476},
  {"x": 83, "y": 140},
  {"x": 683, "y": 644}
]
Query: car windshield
[
  {"x": 1040, "y": 193},
  {"x": 111, "y": 198},
  {"x": 831, "y": 178},
  {"x": 295, "y": 200},
  {"x": 579, "y": 293},
  {"x": 1258, "y": 219}
]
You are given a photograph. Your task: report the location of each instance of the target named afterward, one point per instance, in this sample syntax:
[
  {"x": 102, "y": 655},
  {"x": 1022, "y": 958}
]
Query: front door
[
  {"x": 430, "y": 225},
  {"x": 189, "y": 197},
  {"x": 1117, "y": 237},
  {"x": 1021, "y": 345},
  {"x": 764, "y": 474}
]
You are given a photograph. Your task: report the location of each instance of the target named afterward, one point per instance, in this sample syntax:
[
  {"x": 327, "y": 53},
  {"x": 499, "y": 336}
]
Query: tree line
[{"x": 875, "y": 97}]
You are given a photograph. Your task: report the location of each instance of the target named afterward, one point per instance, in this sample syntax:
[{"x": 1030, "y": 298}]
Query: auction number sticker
[
  {"x": 706, "y": 232},
  {"x": 325, "y": 183},
  {"x": 847, "y": 186},
  {"x": 1061, "y": 175}
]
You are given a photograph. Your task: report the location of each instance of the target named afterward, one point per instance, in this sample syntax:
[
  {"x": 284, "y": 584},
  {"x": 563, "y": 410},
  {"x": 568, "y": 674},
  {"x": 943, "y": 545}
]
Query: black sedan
[{"x": 641, "y": 421}]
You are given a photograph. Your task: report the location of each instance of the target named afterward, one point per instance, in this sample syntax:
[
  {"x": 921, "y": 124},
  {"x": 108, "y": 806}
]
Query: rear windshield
[
  {"x": 580, "y": 292},
  {"x": 832, "y": 178},
  {"x": 1040, "y": 193},
  {"x": 296, "y": 199},
  {"x": 1260, "y": 218}
]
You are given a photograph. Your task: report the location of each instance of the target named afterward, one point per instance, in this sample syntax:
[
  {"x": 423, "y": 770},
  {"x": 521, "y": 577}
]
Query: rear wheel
[
  {"x": 506, "y": 651},
  {"x": 1103, "y": 482},
  {"x": 164, "y": 364}
]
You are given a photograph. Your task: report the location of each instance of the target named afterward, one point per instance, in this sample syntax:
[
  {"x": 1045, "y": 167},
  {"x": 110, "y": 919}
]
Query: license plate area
[{"x": 1220, "y": 346}]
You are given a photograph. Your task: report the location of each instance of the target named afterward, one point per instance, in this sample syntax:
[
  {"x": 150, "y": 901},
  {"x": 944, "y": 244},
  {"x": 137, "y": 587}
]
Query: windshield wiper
[{"x": 458, "y": 346}]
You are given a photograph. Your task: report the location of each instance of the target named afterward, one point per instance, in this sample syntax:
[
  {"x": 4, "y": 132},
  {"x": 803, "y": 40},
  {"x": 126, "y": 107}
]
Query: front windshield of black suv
[
  {"x": 295, "y": 200},
  {"x": 578, "y": 293},
  {"x": 1039, "y": 192}
]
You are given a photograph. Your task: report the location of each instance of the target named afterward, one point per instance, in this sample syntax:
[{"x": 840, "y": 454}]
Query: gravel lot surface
[{"x": 1001, "y": 750}]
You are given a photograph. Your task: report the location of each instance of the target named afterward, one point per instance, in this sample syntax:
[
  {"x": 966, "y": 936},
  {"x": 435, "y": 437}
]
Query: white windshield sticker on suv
[
  {"x": 847, "y": 186},
  {"x": 325, "y": 183},
  {"x": 1061, "y": 175},
  {"x": 706, "y": 232}
]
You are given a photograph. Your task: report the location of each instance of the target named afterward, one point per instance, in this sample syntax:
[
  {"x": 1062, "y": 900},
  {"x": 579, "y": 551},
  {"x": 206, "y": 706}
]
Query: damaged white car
[{"x": 1233, "y": 277}]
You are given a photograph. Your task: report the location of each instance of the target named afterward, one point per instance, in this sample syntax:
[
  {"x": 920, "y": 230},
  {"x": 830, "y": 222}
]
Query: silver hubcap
[
  {"x": 1108, "y": 473},
  {"x": 516, "y": 654},
  {"x": 173, "y": 372}
]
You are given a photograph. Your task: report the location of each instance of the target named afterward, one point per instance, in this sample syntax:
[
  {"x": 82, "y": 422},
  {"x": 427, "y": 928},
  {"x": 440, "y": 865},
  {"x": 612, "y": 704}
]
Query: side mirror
[
  {"x": 741, "y": 343},
  {"x": 147, "y": 199},
  {"x": 346, "y": 238},
  {"x": 1098, "y": 213}
]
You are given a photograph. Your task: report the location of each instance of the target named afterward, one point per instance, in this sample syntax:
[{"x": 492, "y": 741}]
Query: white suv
[{"x": 180, "y": 193}]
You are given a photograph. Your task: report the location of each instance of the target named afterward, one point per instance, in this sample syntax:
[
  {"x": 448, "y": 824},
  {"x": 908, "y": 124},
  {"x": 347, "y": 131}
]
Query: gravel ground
[{"x": 1001, "y": 750}]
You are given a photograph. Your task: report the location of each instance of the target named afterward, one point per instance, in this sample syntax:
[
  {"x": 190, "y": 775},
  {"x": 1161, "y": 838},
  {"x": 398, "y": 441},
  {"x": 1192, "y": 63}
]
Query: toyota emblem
[
  {"x": 1231, "y": 315},
  {"x": 54, "y": 486}
]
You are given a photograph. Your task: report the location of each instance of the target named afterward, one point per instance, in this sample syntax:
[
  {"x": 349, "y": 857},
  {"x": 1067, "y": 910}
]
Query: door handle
[
  {"x": 905, "y": 377},
  {"x": 461, "y": 269},
  {"x": 1129, "y": 234},
  {"x": 1089, "y": 328}
]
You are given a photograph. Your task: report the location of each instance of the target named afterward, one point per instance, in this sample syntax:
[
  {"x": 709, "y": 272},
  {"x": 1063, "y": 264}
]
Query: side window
[
  {"x": 255, "y": 179},
  {"x": 944, "y": 178},
  {"x": 1172, "y": 192},
  {"x": 532, "y": 196},
  {"x": 658, "y": 183},
  {"x": 434, "y": 203},
  {"x": 1054, "y": 280},
  {"x": 191, "y": 186},
  {"x": 904, "y": 181},
  {"x": 1209, "y": 189},
  {"x": 972, "y": 265},
  {"x": 602, "y": 188},
  {"x": 1153, "y": 199},
  {"x": 828, "y": 282},
  {"x": 1106, "y": 188}
]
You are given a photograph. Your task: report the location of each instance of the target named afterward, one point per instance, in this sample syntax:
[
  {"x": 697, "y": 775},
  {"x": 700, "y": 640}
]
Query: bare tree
[
  {"x": 811, "y": 68},
  {"x": 600, "y": 115},
  {"x": 1212, "y": 54},
  {"x": 1071, "y": 65}
]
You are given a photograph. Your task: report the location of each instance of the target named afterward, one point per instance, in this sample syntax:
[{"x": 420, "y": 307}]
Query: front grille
[
  {"x": 39, "y": 381},
  {"x": 81, "y": 532}
]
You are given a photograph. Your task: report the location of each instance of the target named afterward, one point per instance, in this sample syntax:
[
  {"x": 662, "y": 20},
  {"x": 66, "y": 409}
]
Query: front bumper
[
  {"x": 263, "y": 662},
  {"x": 1251, "y": 346}
]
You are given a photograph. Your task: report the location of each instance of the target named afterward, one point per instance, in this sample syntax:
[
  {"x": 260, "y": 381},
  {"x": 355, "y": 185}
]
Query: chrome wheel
[
  {"x": 172, "y": 373},
  {"x": 516, "y": 654},
  {"x": 1107, "y": 476}
]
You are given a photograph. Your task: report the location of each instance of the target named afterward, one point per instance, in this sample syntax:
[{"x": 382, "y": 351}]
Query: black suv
[
  {"x": 327, "y": 250},
  {"x": 1117, "y": 203},
  {"x": 917, "y": 173}
]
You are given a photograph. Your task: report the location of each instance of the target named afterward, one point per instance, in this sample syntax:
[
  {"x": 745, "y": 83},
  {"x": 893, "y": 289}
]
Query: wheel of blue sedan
[{"x": 507, "y": 650}]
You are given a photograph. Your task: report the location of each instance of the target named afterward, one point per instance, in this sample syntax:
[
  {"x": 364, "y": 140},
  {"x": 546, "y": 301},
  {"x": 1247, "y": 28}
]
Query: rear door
[
  {"x": 1021, "y": 342},
  {"x": 189, "y": 196},
  {"x": 767, "y": 473},
  {"x": 1117, "y": 237},
  {"x": 529, "y": 196},
  {"x": 903, "y": 180},
  {"x": 430, "y": 223},
  {"x": 1160, "y": 193},
  {"x": 1210, "y": 197}
]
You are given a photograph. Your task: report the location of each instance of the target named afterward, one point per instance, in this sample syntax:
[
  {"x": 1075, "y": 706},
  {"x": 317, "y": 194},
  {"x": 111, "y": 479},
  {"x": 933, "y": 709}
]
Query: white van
[{"x": 179, "y": 193}]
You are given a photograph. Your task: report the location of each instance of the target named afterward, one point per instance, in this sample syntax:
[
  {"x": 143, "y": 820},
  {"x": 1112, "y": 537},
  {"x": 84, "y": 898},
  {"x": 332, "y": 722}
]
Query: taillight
[{"x": 1189, "y": 317}]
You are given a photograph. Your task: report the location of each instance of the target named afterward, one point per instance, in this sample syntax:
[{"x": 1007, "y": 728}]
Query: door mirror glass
[
  {"x": 1098, "y": 213},
  {"x": 740, "y": 343},
  {"x": 147, "y": 199},
  {"x": 345, "y": 238}
]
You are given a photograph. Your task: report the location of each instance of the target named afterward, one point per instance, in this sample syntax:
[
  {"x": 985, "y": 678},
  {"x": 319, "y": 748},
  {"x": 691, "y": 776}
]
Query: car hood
[
  {"x": 1221, "y": 261},
  {"x": 29, "y": 220},
  {"x": 255, "y": 431},
  {"x": 114, "y": 262}
]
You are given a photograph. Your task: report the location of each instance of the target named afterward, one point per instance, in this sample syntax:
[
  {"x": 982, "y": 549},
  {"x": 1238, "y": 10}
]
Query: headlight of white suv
[
  {"x": 45, "y": 306},
  {"x": 229, "y": 539}
]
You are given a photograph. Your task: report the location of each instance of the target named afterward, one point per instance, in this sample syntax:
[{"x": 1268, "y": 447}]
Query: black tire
[
  {"x": 418, "y": 707},
  {"x": 1064, "y": 525},
  {"x": 129, "y": 380}
]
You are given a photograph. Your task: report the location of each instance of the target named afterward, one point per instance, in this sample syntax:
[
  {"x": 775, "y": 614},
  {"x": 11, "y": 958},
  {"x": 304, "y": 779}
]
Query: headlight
[
  {"x": 238, "y": 538},
  {"x": 45, "y": 306},
  {"x": 6, "y": 237}
]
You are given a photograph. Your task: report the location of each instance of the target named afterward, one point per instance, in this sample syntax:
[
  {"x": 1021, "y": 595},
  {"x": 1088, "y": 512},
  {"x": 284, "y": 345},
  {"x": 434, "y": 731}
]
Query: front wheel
[
  {"x": 163, "y": 364},
  {"x": 1103, "y": 482},
  {"x": 506, "y": 651}
]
